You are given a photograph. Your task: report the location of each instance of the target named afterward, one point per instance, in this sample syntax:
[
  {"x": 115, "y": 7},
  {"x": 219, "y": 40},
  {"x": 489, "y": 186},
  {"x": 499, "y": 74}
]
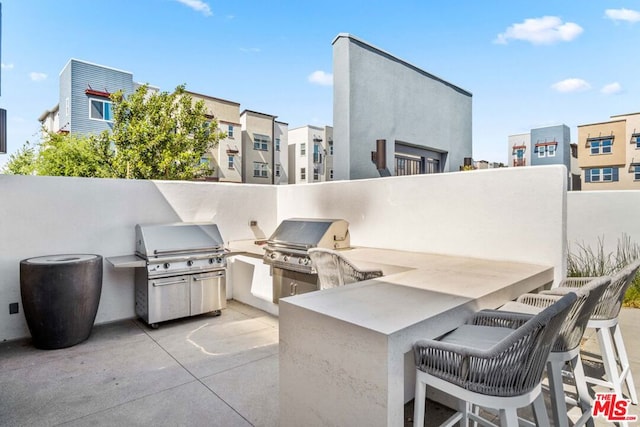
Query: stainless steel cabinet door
[
  {"x": 168, "y": 298},
  {"x": 208, "y": 292}
]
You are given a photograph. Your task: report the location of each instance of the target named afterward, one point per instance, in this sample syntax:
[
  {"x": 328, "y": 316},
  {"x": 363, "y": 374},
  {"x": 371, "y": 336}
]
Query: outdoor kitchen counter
[{"x": 345, "y": 353}]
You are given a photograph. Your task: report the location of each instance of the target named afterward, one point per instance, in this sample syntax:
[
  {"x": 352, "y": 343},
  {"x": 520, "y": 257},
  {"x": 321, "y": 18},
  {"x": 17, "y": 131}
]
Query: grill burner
[{"x": 286, "y": 252}]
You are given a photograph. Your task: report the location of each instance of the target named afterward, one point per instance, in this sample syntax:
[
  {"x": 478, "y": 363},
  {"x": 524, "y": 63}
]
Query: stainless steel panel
[
  {"x": 162, "y": 240},
  {"x": 169, "y": 298},
  {"x": 288, "y": 283},
  {"x": 208, "y": 292},
  {"x": 305, "y": 233}
]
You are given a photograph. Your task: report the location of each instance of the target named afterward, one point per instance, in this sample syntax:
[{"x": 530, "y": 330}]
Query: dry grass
[{"x": 585, "y": 261}]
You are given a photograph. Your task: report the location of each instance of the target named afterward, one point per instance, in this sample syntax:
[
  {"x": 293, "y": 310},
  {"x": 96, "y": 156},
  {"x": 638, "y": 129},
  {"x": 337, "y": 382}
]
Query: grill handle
[
  {"x": 182, "y": 251},
  {"x": 174, "y": 282},
  {"x": 285, "y": 245},
  {"x": 208, "y": 276}
]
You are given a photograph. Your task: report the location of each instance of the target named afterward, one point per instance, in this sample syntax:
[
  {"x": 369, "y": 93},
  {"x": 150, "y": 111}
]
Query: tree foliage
[
  {"x": 161, "y": 135},
  {"x": 156, "y": 135},
  {"x": 22, "y": 162}
]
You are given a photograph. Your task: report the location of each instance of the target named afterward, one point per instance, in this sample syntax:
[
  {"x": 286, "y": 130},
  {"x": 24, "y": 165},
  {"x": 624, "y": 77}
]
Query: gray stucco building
[{"x": 425, "y": 121}]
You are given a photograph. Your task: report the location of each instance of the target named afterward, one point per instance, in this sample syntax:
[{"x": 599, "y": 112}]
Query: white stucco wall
[
  {"x": 379, "y": 96},
  {"x": 607, "y": 215},
  {"x": 492, "y": 214},
  {"x": 495, "y": 213},
  {"x": 52, "y": 215}
]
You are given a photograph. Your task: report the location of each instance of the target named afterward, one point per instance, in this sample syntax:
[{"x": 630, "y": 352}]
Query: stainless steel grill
[
  {"x": 286, "y": 252},
  {"x": 184, "y": 273}
]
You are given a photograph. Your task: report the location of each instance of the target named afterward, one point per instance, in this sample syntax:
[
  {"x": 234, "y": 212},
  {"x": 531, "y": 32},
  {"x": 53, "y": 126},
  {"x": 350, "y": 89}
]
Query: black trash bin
[{"x": 60, "y": 297}]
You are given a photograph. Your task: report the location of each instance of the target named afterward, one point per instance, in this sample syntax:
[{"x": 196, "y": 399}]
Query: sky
[{"x": 528, "y": 63}]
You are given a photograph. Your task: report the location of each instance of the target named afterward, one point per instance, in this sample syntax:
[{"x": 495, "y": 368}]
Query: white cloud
[
  {"x": 6, "y": 66},
  {"x": 611, "y": 88},
  {"x": 37, "y": 77},
  {"x": 321, "y": 78},
  {"x": 623, "y": 15},
  {"x": 545, "y": 30},
  {"x": 198, "y": 6},
  {"x": 571, "y": 85}
]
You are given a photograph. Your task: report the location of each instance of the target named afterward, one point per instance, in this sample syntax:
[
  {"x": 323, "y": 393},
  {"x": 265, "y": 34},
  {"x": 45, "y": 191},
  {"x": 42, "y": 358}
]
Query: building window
[
  {"x": 230, "y": 160},
  {"x": 636, "y": 172},
  {"x": 600, "y": 145},
  {"x": 303, "y": 174},
  {"x": 635, "y": 139},
  {"x": 278, "y": 170},
  {"x": 551, "y": 150},
  {"x": 100, "y": 110},
  {"x": 316, "y": 173},
  {"x": 260, "y": 142},
  {"x": 277, "y": 144},
  {"x": 260, "y": 170},
  {"x": 330, "y": 173},
  {"x": 230, "y": 131},
  {"x": 303, "y": 149},
  {"x": 601, "y": 175},
  {"x": 542, "y": 152},
  {"x": 331, "y": 148}
]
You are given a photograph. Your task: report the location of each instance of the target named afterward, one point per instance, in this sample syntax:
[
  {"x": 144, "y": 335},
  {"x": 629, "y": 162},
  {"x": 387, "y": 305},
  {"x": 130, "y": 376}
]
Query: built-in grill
[
  {"x": 184, "y": 271},
  {"x": 286, "y": 252}
]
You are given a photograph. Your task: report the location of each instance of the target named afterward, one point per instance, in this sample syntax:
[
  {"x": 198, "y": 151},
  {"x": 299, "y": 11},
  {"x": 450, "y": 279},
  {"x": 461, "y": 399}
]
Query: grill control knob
[
  {"x": 306, "y": 261},
  {"x": 189, "y": 263},
  {"x": 211, "y": 261},
  {"x": 273, "y": 255},
  {"x": 285, "y": 259},
  {"x": 299, "y": 260},
  {"x": 166, "y": 265},
  {"x": 219, "y": 260}
]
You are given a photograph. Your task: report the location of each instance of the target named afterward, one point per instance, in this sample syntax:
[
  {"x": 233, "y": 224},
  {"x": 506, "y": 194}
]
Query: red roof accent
[
  {"x": 516, "y": 147},
  {"x": 97, "y": 93},
  {"x": 544, "y": 144}
]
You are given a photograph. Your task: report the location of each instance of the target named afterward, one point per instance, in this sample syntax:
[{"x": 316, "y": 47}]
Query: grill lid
[
  {"x": 305, "y": 233},
  {"x": 158, "y": 240}
]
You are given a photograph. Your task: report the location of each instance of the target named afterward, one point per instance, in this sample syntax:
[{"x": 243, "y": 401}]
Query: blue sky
[{"x": 528, "y": 63}]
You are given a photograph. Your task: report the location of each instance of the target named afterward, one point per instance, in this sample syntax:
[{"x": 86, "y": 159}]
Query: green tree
[
  {"x": 75, "y": 155},
  {"x": 22, "y": 162},
  {"x": 161, "y": 135}
]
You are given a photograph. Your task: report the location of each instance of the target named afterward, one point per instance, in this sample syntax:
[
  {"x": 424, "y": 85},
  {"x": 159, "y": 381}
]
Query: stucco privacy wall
[
  {"x": 379, "y": 96},
  {"x": 484, "y": 214},
  {"x": 607, "y": 215},
  {"x": 53, "y": 215}
]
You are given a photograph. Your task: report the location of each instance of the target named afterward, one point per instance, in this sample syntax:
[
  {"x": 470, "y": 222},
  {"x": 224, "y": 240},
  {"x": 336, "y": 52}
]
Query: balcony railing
[{"x": 519, "y": 162}]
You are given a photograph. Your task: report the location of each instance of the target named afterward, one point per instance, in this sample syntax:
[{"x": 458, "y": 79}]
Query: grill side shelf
[{"x": 126, "y": 261}]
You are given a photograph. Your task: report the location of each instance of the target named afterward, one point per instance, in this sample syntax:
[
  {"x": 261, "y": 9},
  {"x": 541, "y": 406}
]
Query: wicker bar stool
[
  {"x": 605, "y": 321},
  {"x": 334, "y": 270},
  {"x": 496, "y": 360},
  {"x": 566, "y": 349}
]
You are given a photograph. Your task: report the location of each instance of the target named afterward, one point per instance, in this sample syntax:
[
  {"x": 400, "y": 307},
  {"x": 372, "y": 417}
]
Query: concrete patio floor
[{"x": 200, "y": 371}]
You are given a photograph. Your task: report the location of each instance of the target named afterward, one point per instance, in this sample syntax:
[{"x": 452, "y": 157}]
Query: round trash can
[{"x": 60, "y": 296}]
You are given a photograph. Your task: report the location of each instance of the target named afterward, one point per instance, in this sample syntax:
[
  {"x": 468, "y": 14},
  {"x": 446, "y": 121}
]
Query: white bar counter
[{"x": 343, "y": 350}]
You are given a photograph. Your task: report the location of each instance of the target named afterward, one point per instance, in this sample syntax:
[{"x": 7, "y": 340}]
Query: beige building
[
  {"x": 609, "y": 153},
  {"x": 225, "y": 160},
  {"x": 310, "y": 154},
  {"x": 263, "y": 140}
]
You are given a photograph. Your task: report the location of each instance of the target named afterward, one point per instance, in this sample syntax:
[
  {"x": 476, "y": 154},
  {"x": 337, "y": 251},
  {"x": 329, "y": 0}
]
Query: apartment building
[
  {"x": 83, "y": 104},
  {"x": 263, "y": 141},
  {"x": 84, "y": 107},
  {"x": 310, "y": 154},
  {"x": 411, "y": 120},
  {"x": 550, "y": 145},
  {"x": 609, "y": 153},
  {"x": 224, "y": 160}
]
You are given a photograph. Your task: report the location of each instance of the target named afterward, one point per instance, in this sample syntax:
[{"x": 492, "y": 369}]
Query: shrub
[{"x": 586, "y": 261}]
